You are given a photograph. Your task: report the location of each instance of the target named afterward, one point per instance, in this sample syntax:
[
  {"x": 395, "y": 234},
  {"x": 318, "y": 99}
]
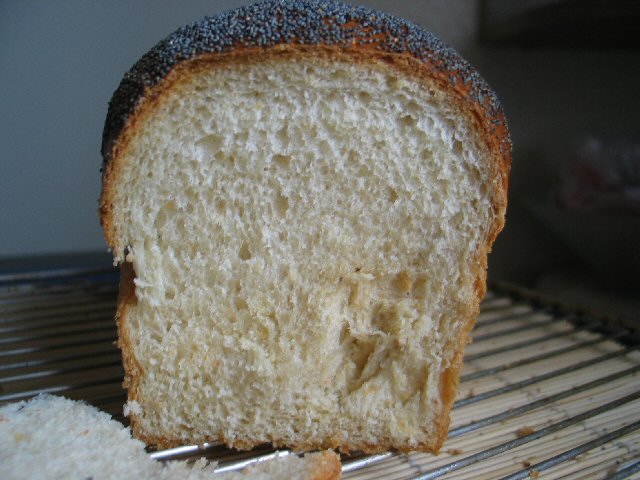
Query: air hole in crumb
[
  {"x": 325, "y": 148},
  {"x": 281, "y": 204},
  {"x": 344, "y": 333},
  {"x": 419, "y": 289},
  {"x": 242, "y": 138},
  {"x": 165, "y": 213},
  {"x": 283, "y": 135},
  {"x": 241, "y": 304},
  {"x": 426, "y": 154},
  {"x": 244, "y": 253},
  {"x": 413, "y": 106},
  {"x": 364, "y": 97},
  {"x": 360, "y": 352},
  {"x": 331, "y": 96},
  {"x": 282, "y": 236},
  {"x": 393, "y": 195},
  {"x": 202, "y": 111},
  {"x": 380, "y": 144},
  {"x": 457, "y": 147},
  {"x": 224, "y": 158},
  {"x": 281, "y": 160},
  {"x": 403, "y": 282},
  {"x": 393, "y": 82},
  {"x": 220, "y": 205},
  {"x": 284, "y": 272},
  {"x": 408, "y": 121}
]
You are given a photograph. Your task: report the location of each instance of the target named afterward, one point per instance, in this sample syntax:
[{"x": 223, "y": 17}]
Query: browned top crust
[{"x": 263, "y": 25}]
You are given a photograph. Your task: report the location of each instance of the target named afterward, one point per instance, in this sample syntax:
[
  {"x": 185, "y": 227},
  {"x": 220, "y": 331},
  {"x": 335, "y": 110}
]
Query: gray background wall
[{"x": 61, "y": 60}]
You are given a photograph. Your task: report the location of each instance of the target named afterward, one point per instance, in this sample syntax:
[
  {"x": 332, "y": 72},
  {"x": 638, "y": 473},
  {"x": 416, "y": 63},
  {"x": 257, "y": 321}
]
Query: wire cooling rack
[{"x": 547, "y": 390}]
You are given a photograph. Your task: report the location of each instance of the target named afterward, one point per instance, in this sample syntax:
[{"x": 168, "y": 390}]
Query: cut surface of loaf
[
  {"x": 50, "y": 437},
  {"x": 303, "y": 232}
]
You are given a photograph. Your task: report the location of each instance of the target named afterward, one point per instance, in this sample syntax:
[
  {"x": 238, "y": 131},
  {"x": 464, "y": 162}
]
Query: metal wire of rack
[{"x": 546, "y": 390}]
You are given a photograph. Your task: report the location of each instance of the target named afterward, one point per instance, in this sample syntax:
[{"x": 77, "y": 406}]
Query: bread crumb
[
  {"x": 454, "y": 451},
  {"x": 201, "y": 464},
  {"x": 534, "y": 474},
  {"x": 524, "y": 431}
]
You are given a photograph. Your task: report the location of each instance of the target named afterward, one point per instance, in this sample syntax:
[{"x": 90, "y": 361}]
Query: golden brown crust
[
  {"x": 326, "y": 466},
  {"x": 132, "y": 369},
  {"x": 487, "y": 121},
  {"x": 163, "y": 443}
]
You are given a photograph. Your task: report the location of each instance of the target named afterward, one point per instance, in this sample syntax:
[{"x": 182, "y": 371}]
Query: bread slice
[
  {"x": 301, "y": 196},
  {"x": 54, "y": 437}
]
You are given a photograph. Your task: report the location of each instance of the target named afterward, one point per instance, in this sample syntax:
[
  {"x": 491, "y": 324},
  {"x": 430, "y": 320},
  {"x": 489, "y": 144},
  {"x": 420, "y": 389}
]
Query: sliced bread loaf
[{"x": 301, "y": 196}]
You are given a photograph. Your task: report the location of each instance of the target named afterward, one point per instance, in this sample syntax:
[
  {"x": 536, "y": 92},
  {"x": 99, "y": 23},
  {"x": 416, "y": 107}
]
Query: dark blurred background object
[
  {"x": 594, "y": 209},
  {"x": 583, "y": 24},
  {"x": 563, "y": 69}
]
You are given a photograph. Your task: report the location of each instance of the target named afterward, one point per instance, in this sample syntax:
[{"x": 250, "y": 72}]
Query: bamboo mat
[{"x": 546, "y": 391}]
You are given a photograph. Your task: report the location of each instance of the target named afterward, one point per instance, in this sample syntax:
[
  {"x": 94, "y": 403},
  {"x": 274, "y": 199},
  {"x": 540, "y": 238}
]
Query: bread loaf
[
  {"x": 51, "y": 437},
  {"x": 301, "y": 196}
]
